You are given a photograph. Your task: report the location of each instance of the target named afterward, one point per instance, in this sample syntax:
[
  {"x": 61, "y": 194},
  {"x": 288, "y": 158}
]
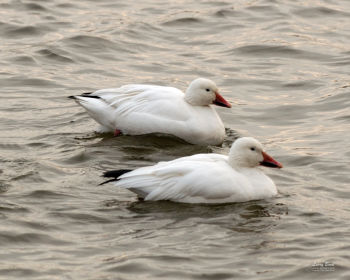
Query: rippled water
[{"x": 285, "y": 66}]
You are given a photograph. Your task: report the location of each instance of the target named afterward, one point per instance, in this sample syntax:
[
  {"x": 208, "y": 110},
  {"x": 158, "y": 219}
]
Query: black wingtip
[
  {"x": 85, "y": 94},
  {"x": 115, "y": 174},
  {"x": 88, "y": 94}
]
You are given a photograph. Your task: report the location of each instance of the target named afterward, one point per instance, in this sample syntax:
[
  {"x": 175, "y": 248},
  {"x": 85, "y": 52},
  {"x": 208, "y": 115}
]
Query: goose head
[
  {"x": 203, "y": 92},
  {"x": 248, "y": 152}
]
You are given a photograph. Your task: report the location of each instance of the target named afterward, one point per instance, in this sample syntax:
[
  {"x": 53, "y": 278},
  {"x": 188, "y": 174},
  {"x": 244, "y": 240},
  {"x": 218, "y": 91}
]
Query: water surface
[{"x": 283, "y": 64}]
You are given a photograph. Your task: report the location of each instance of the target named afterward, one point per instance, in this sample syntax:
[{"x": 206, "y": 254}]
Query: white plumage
[
  {"x": 142, "y": 109},
  {"x": 205, "y": 178}
]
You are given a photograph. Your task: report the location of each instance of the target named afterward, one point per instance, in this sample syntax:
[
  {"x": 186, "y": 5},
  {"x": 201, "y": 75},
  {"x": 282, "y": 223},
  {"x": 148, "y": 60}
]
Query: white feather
[
  {"x": 204, "y": 178},
  {"x": 142, "y": 109}
]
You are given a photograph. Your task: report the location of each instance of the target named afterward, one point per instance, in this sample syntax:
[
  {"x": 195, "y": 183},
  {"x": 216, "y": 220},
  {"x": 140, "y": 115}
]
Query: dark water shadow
[
  {"x": 247, "y": 217},
  {"x": 229, "y": 215},
  {"x": 151, "y": 147},
  {"x": 153, "y": 139}
]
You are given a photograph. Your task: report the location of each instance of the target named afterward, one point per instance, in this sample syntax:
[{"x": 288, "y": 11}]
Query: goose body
[
  {"x": 204, "y": 178},
  {"x": 142, "y": 109}
]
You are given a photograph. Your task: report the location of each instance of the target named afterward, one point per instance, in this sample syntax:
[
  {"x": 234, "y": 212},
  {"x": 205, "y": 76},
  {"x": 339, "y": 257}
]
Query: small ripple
[
  {"x": 278, "y": 51},
  {"x": 304, "y": 85},
  {"x": 39, "y": 145},
  {"x": 22, "y": 31},
  {"x": 51, "y": 55},
  {"x": 302, "y": 160},
  {"x": 340, "y": 60},
  {"x": 284, "y": 112},
  {"x": 13, "y": 208},
  {"x": 96, "y": 45},
  {"x": 185, "y": 21},
  {"x": 35, "y": 7},
  {"x": 9, "y": 146},
  {"x": 24, "y": 59},
  {"x": 19, "y": 273},
  {"x": 81, "y": 156},
  {"x": 267, "y": 10},
  {"x": 45, "y": 194},
  {"x": 319, "y": 12},
  {"x": 17, "y": 31},
  {"x": 67, "y": 6},
  {"x": 334, "y": 102},
  {"x": 82, "y": 218},
  {"x": 30, "y": 176},
  {"x": 19, "y": 81},
  {"x": 142, "y": 31},
  {"x": 226, "y": 12},
  {"x": 345, "y": 118},
  {"x": 137, "y": 267},
  {"x": 29, "y": 238}
]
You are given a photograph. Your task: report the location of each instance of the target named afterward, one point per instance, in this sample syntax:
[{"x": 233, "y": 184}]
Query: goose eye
[
  {"x": 207, "y": 89},
  {"x": 252, "y": 149}
]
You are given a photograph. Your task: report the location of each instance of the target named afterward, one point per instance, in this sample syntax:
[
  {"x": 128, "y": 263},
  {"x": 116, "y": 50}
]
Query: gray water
[{"x": 283, "y": 64}]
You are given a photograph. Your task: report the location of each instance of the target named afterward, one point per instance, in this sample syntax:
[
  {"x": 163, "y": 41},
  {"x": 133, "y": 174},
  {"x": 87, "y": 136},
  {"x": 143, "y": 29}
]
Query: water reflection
[{"x": 240, "y": 213}]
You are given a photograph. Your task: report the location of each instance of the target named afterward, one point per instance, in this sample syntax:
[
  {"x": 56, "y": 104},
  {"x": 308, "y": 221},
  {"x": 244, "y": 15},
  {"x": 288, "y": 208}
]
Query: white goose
[
  {"x": 142, "y": 109},
  {"x": 204, "y": 178}
]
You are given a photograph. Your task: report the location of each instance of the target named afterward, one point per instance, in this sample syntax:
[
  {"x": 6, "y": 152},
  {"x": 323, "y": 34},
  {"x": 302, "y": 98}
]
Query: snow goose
[
  {"x": 204, "y": 178},
  {"x": 137, "y": 109}
]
